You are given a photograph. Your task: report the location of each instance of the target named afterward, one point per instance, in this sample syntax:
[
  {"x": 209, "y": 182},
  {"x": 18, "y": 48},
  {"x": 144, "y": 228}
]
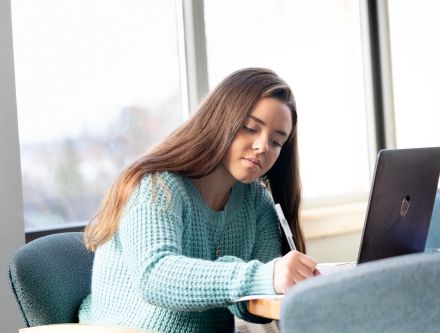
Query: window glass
[
  {"x": 316, "y": 47},
  {"x": 415, "y": 53},
  {"x": 97, "y": 85}
]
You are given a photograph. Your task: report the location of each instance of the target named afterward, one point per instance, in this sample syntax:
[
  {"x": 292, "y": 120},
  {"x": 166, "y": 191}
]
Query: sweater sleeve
[
  {"x": 150, "y": 233},
  {"x": 267, "y": 246}
]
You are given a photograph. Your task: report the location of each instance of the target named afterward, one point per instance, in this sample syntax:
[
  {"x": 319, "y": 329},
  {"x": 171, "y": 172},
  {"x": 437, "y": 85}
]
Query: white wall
[
  {"x": 343, "y": 247},
  {"x": 11, "y": 206}
]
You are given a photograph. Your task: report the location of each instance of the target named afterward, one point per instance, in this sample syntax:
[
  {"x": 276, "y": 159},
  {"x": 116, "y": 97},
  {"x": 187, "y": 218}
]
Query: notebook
[{"x": 400, "y": 205}]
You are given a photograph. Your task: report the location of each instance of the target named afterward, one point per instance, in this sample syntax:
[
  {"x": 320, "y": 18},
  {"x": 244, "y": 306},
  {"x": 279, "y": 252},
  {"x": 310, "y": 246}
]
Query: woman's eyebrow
[{"x": 258, "y": 120}]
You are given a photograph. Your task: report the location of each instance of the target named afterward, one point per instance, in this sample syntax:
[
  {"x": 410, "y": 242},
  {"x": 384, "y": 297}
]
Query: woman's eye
[
  {"x": 276, "y": 144},
  {"x": 248, "y": 129}
]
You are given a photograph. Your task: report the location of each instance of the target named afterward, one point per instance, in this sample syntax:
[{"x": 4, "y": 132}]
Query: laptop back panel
[{"x": 401, "y": 202}]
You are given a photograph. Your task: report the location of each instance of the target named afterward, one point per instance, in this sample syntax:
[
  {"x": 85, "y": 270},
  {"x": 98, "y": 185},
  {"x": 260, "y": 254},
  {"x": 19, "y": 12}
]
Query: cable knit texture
[{"x": 159, "y": 270}]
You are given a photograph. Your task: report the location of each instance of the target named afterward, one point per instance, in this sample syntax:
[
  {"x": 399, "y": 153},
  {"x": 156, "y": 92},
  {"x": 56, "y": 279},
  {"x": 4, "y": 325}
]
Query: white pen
[{"x": 285, "y": 226}]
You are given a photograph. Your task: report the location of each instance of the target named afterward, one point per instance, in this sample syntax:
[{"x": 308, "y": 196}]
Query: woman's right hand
[{"x": 291, "y": 269}]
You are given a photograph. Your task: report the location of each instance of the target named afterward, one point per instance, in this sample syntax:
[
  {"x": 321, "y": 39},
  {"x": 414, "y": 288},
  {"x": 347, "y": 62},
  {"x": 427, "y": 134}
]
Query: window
[
  {"x": 316, "y": 47},
  {"x": 97, "y": 84},
  {"x": 415, "y": 50}
]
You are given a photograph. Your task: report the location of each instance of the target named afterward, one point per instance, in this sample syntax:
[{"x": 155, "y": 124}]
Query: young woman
[{"x": 190, "y": 226}]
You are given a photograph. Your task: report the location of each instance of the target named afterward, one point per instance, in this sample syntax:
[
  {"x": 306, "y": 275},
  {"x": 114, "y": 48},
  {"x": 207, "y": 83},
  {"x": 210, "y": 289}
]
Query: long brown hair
[{"x": 196, "y": 148}]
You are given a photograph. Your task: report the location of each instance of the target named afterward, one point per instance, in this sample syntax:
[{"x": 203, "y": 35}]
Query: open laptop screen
[{"x": 401, "y": 203}]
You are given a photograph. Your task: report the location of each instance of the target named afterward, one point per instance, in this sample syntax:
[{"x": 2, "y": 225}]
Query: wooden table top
[{"x": 267, "y": 307}]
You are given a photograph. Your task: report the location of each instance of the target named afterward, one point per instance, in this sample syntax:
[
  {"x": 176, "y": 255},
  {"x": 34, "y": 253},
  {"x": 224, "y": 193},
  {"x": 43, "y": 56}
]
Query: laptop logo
[{"x": 405, "y": 206}]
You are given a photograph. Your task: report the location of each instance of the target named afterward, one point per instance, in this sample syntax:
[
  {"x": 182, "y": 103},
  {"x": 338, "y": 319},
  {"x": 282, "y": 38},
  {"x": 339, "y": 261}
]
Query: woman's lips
[{"x": 253, "y": 162}]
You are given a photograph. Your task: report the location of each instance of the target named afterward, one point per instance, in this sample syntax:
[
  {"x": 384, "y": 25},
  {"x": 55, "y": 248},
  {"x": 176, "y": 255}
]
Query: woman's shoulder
[
  {"x": 172, "y": 180},
  {"x": 256, "y": 199},
  {"x": 161, "y": 186}
]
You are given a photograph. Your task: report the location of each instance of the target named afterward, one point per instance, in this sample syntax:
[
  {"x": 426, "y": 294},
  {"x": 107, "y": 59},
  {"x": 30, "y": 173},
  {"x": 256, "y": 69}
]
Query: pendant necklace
[{"x": 218, "y": 251}]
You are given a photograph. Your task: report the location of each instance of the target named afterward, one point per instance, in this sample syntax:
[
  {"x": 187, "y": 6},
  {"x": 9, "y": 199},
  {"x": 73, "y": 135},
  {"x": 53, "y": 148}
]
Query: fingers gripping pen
[{"x": 285, "y": 227}]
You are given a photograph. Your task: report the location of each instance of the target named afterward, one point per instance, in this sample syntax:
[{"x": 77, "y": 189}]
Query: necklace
[{"x": 218, "y": 251}]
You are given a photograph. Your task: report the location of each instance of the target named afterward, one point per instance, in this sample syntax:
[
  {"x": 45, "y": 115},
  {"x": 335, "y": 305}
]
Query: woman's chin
[{"x": 247, "y": 179}]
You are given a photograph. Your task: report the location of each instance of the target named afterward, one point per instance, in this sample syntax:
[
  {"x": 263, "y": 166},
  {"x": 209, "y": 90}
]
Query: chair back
[
  {"x": 50, "y": 277},
  {"x": 399, "y": 294}
]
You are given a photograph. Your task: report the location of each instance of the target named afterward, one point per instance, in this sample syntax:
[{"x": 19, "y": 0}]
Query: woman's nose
[{"x": 261, "y": 144}]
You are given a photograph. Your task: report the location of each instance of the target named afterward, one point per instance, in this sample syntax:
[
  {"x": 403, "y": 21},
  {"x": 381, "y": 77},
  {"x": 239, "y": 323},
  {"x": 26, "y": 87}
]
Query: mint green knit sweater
[{"x": 159, "y": 270}]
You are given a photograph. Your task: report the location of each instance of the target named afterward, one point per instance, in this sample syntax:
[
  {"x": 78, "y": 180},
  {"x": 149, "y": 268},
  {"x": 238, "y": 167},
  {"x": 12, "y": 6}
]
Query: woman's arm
[
  {"x": 266, "y": 248},
  {"x": 150, "y": 234}
]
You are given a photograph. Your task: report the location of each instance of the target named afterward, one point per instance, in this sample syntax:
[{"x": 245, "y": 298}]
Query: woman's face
[{"x": 258, "y": 143}]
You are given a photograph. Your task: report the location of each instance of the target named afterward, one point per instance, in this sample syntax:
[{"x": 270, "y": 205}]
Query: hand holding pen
[{"x": 295, "y": 266}]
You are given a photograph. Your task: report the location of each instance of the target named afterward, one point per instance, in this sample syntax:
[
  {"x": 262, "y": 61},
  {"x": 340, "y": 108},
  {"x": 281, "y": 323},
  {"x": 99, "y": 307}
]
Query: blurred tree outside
[{"x": 65, "y": 180}]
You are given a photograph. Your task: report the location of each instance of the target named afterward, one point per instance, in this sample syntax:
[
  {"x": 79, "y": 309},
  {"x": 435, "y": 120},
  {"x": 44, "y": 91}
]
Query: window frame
[{"x": 11, "y": 204}]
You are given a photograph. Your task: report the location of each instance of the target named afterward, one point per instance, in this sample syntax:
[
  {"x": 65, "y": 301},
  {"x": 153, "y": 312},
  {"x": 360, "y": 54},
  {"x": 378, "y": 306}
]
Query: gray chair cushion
[
  {"x": 399, "y": 294},
  {"x": 50, "y": 277}
]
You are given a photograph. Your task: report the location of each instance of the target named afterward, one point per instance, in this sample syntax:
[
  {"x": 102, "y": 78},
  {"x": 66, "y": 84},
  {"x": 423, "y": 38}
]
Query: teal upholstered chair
[
  {"x": 49, "y": 278},
  {"x": 400, "y": 294}
]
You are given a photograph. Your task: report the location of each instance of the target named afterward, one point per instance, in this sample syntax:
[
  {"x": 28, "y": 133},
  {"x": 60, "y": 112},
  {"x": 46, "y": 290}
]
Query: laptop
[{"x": 400, "y": 206}]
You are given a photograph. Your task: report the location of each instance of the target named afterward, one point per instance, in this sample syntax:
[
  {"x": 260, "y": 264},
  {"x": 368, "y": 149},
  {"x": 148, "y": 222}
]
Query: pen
[{"x": 285, "y": 226}]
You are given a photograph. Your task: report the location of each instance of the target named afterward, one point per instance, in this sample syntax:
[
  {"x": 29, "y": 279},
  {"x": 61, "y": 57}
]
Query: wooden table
[{"x": 266, "y": 307}]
